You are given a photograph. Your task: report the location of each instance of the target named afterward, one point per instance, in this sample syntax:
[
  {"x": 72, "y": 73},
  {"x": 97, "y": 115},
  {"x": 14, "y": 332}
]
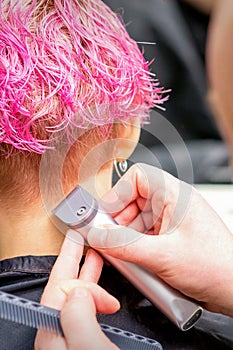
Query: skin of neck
[
  {"x": 32, "y": 232},
  {"x": 29, "y": 230}
]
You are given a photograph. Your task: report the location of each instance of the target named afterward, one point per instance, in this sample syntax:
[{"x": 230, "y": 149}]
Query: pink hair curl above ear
[{"x": 67, "y": 62}]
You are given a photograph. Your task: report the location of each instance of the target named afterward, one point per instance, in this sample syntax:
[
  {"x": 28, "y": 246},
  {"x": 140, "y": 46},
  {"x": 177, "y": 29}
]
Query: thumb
[
  {"x": 79, "y": 323},
  {"x": 127, "y": 244}
]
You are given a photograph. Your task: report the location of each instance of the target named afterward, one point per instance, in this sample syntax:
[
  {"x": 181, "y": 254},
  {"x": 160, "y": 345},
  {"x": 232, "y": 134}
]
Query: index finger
[
  {"x": 67, "y": 263},
  {"x": 140, "y": 181}
]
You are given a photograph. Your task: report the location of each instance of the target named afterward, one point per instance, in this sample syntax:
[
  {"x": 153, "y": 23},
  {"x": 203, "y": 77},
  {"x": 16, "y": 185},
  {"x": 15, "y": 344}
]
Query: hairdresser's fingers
[
  {"x": 148, "y": 197},
  {"x": 67, "y": 263},
  {"x": 139, "y": 185},
  {"x": 129, "y": 245},
  {"x": 141, "y": 180},
  {"x": 79, "y": 324},
  {"x": 45, "y": 340},
  {"x": 128, "y": 214},
  {"x": 105, "y": 302},
  {"x": 55, "y": 296},
  {"x": 92, "y": 267}
]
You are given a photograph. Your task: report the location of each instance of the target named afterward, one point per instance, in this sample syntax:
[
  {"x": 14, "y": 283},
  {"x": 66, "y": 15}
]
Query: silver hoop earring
[{"x": 120, "y": 167}]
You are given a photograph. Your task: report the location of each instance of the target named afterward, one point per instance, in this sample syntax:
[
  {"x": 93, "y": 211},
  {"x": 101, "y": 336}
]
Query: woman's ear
[{"x": 126, "y": 136}]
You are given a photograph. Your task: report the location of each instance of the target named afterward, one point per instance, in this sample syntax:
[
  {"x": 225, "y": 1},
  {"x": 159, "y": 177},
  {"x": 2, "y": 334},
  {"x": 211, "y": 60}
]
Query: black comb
[{"x": 35, "y": 315}]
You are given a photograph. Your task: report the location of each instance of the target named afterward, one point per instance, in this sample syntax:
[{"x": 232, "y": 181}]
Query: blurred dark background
[{"x": 179, "y": 33}]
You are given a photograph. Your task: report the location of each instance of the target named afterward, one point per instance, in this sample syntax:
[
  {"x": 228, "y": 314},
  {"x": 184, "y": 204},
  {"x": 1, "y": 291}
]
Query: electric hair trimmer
[{"x": 80, "y": 211}]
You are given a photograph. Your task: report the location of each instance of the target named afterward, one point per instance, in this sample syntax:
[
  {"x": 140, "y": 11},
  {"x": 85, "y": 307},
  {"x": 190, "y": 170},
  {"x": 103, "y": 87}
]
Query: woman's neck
[
  {"x": 33, "y": 234},
  {"x": 30, "y": 231}
]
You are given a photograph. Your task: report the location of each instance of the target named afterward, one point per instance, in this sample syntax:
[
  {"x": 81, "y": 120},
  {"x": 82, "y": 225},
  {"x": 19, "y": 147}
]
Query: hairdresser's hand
[
  {"x": 183, "y": 241},
  {"x": 78, "y": 297}
]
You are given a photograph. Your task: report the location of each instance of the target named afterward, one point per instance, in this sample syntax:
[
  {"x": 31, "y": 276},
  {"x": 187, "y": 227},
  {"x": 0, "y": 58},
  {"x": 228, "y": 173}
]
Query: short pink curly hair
[{"x": 60, "y": 61}]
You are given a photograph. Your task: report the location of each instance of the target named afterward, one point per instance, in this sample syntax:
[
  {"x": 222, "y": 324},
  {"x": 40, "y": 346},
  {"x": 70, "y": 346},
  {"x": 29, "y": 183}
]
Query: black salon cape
[{"x": 27, "y": 276}]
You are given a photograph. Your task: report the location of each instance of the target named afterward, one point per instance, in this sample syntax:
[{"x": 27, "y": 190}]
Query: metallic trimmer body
[{"x": 80, "y": 211}]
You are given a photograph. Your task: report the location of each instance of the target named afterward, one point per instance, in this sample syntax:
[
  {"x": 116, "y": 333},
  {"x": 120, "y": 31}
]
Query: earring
[{"x": 120, "y": 167}]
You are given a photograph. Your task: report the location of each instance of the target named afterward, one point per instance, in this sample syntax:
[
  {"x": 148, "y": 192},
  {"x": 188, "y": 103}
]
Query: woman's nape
[{"x": 64, "y": 65}]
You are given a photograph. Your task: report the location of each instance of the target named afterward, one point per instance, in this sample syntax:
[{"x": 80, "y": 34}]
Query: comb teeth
[
  {"x": 128, "y": 340},
  {"x": 28, "y": 313},
  {"x": 35, "y": 315}
]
